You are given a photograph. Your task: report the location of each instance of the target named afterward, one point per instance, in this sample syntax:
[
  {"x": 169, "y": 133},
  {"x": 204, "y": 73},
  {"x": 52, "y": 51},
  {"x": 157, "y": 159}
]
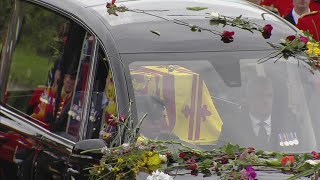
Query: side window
[
  {"x": 103, "y": 104},
  {"x": 49, "y": 65}
]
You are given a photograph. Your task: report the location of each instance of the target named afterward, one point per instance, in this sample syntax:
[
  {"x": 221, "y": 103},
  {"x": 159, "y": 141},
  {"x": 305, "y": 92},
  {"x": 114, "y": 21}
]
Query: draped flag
[{"x": 189, "y": 109}]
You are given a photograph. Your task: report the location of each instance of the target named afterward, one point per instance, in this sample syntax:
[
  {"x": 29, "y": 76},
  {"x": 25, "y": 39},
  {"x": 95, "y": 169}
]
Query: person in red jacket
[
  {"x": 315, "y": 5},
  {"x": 283, "y": 6},
  {"x": 310, "y": 22}
]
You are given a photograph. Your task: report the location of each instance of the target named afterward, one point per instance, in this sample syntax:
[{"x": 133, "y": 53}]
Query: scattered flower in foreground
[
  {"x": 266, "y": 31},
  {"x": 287, "y": 160},
  {"x": 227, "y": 36},
  {"x": 313, "y": 162},
  {"x": 249, "y": 173},
  {"x": 315, "y": 155},
  {"x": 158, "y": 175}
]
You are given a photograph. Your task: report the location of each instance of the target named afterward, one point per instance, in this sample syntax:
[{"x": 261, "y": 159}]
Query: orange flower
[{"x": 287, "y": 160}]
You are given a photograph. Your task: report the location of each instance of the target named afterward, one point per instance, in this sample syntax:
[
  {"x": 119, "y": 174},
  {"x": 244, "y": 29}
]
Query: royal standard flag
[{"x": 189, "y": 109}]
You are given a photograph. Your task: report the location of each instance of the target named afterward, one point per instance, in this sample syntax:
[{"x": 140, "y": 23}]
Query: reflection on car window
[
  {"x": 103, "y": 105},
  {"x": 45, "y": 74},
  {"x": 268, "y": 106}
]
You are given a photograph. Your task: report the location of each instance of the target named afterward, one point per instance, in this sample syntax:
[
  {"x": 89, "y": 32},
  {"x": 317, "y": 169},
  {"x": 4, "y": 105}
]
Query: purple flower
[{"x": 250, "y": 173}]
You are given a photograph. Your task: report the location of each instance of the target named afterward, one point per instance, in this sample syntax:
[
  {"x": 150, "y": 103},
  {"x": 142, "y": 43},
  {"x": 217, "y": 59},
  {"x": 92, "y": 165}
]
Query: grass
[{"x": 28, "y": 69}]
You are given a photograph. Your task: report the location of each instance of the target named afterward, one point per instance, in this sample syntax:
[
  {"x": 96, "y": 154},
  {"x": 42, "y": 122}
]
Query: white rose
[
  {"x": 215, "y": 16},
  {"x": 313, "y": 162}
]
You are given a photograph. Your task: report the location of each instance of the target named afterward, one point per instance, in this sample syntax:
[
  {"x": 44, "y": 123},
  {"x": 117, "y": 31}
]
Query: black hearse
[{"x": 68, "y": 65}]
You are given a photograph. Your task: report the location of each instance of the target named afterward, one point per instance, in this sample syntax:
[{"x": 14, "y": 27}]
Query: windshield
[{"x": 212, "y": 98}]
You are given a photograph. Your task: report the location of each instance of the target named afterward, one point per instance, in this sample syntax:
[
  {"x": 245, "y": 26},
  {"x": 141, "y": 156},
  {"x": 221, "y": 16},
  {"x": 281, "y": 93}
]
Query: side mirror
[
  {"x": 88, "y": 144},
  {"x": 80, "y": 161}
]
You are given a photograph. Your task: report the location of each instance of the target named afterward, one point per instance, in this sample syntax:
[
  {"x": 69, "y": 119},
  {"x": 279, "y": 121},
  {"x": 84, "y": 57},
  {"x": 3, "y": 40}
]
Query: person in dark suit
[
  {"x": 261, "y": 123},
  {"x": 300, "y": 7}
]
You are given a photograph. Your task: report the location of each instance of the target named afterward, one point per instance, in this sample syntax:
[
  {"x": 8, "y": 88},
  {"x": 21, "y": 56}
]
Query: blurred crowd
[{"x": 304, "y": 14}]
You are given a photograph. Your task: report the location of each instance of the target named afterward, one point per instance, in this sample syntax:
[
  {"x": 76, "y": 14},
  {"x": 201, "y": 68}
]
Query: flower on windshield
[{"x": 249, "y": 173}]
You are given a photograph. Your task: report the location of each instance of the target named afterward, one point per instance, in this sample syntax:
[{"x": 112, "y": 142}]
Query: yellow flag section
[{"x": 189, "y": 109}]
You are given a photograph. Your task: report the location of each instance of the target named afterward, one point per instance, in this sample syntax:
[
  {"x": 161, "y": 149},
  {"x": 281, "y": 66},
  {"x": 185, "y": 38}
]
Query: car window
[
  {"x": 103, "y": 104},
  {"x": 49, "y": 67}
]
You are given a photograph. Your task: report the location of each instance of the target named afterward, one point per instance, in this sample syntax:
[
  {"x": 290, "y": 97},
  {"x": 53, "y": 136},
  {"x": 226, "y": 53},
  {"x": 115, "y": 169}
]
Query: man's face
[
  {"x": 260, "y": 101},
  {"x": 301, "y": 3},
  {"x": 68, "y": 83}
]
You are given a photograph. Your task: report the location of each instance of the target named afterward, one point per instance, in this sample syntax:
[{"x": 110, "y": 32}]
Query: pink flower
[
  {"x": 193, "y": 166},
  {"x": 291, "y": 38},
  {"x": 122, "y": 117},
  {"x": 304, "y": 39},
  {"x": 191, "y": 161},
  {"x": 226, "y": 36},
  {"x": 315, "y": 155}
]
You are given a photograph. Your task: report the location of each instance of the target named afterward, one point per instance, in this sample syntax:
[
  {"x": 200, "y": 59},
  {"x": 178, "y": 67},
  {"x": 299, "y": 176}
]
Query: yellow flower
[
  {"x": 150, "y": 153},
  {"x": 142, "y": 140},
  {"x": 154, "y": 160},
  {"x": 120, "y": 160},
  {"x": 313, "y": 49},
  {"x": 142, "y": 163}
]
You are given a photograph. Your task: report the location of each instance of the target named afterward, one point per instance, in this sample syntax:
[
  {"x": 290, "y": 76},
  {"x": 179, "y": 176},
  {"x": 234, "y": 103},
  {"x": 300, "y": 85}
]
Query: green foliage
[{"x": 196, "y": 8}]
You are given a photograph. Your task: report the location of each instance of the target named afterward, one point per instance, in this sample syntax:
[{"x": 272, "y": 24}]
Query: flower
[
  {"x": 266, "y": 31},
  {"x": 105, "y": 150},
  {"x": 194, "y": 172},
  {"x": 193, "y": 166},
  {"x": 303, "y": 39},
  {"x": 142, "y": 140},
  {"x": 291, "y": 38},
  {"x": 191, "y": 161},
  {"x": 122, "y": 117},
  {"x": 109, "y": 5},
  {"x": 215, "y": 16},
  {"x": 313, "y": 49},
  {"x": 248, "y": 173},
  {"x": 313, "y": 162},
  {"x": 154, "y": 160},
  {"x": 163, "y": 158},
  {"x": 158, "y": 175},
  {"x": 287, "y": 160},
  {"x": 315, "y": 155},
  {"x": 226, "y": 36},
  {"x": 182, "y": 155},
  {"x": 251, "y": 173}
]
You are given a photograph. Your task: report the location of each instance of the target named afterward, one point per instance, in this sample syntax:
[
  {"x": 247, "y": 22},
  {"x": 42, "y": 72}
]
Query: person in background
[
  {"x": 283, "y": 7},
  {"x": 300, "y": 7},
  {"x": 310, "y": 22},
  {"x": 314, "y": 5}
]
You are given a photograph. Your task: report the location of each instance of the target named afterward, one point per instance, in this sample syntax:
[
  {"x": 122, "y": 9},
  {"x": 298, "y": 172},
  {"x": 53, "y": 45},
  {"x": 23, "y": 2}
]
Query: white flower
[
  {"x": 158, "y": 175},
  {"x": 126, "y": 146},
  {"x": 215, "y": 16},
  {"x": 313, "y": 162},
  {"x": 163, "y": 158},
  {"x": 105, "y": 150}
]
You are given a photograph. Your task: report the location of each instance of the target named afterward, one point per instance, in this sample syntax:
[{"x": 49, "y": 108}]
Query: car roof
[{"x": 128, "y": 28}]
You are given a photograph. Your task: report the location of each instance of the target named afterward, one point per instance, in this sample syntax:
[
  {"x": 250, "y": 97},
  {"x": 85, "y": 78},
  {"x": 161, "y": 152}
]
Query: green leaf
[
  {"x": 214, "y": 22},
  {"x": 273, "y": 162},
  {"x": 155, "y": 32},
  {"x": 196, "y": 8},
  {"x": 302, "y": 174}
]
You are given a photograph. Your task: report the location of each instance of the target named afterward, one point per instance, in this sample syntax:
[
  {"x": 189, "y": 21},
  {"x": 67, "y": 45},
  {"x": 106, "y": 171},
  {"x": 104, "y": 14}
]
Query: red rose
[
  {"x": 291, "y": 38},
  {"x": 109, "y": 5},
  {"x": 267, "y": 29},
  {"x": 304, "y": 39},
  {"x": 226, "y": 36},
  {"x": 193, "y": 166},
  {"x": 315, "y": 155},
  {"x": 287, "y": 160},
  {"x": 182, "y": 155}
]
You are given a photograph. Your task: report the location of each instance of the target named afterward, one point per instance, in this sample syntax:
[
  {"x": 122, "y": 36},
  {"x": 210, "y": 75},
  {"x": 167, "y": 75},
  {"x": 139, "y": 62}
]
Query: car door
[{"x": 44, "y": 74}]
